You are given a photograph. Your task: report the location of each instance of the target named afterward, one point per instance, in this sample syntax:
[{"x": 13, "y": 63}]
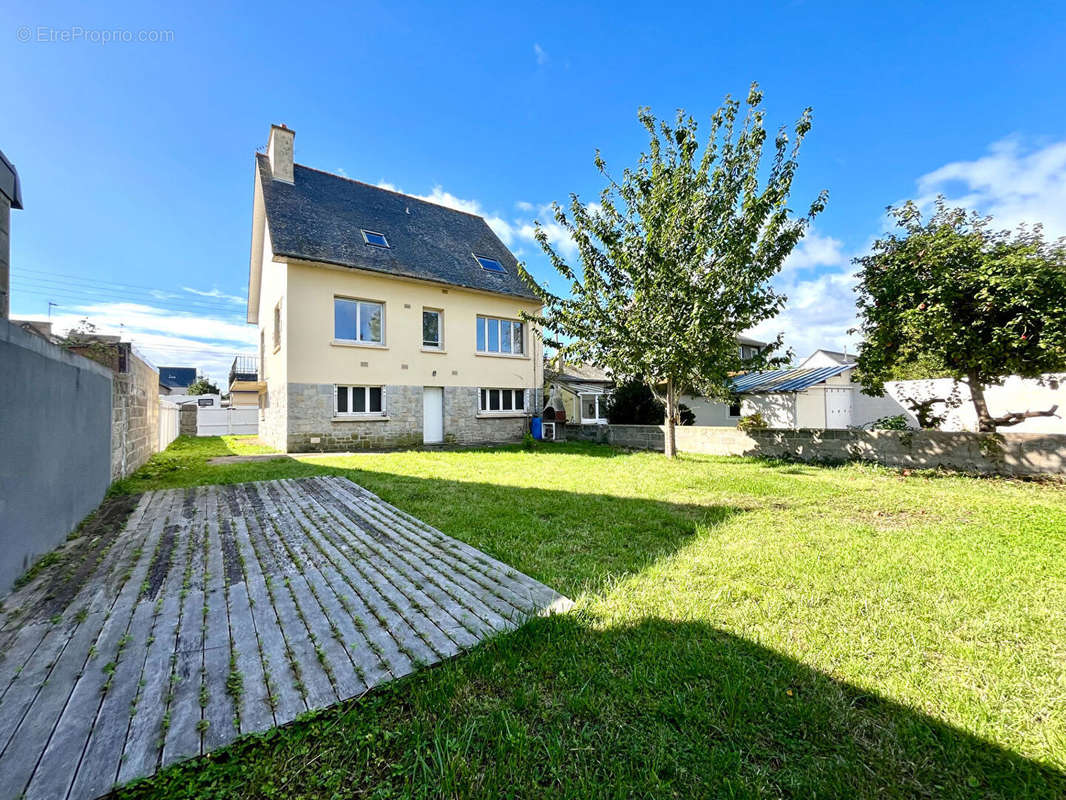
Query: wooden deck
[{"x": 225, "y": 610}]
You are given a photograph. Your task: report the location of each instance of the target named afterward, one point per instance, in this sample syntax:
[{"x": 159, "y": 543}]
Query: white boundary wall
[
  {"x": 169, "y": 422},
  {"x": 223, "y": 421}
]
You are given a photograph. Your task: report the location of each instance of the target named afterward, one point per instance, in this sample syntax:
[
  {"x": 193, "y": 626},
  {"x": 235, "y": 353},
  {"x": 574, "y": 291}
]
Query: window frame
[
  {"x": 277, "y": 326},
  {"x": 734, "y": 406},
  {"x": 439, "y": 346},
  {"x": 366, "y": 239},
  {"x": 500, "y": 322},
  {"x": 358, "y": 321},
  {"x": 481, "y": 259},
  {"x": 600, "y": 400},
  {"x": 350, "y": 413},
  {"x": 485, "y": 396}
]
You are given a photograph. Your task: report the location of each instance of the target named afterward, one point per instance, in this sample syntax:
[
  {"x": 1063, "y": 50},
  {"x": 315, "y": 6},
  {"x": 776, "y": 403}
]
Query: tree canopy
[
  {"x": 676, "y": 258},
  {"x": 981, "y": 304},
  {"x": 202, "y": 386}
]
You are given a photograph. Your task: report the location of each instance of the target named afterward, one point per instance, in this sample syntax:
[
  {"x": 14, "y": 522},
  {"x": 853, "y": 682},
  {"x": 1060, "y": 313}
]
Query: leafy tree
[
  {"x": 676, "y": 258},
  {"x": 949, "y": 290},
  {"x": 202, "y": 386},
  {"x": 632, "y": 403}
]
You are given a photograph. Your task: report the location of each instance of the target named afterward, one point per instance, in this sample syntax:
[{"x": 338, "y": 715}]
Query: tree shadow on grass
[
  {"x": 571, "y": 541},
  {"x": 562, "y": 708}
]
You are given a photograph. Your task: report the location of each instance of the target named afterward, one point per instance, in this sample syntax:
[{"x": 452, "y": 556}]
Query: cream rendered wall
[
  {"x": 710, "y": 412},
  {"x": 273, "y": 426},
  {"x": 314, "y": 357},
  {"x": 810, "y": 408}
]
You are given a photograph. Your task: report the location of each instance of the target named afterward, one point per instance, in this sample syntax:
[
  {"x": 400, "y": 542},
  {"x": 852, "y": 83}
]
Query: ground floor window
[
  {"x": 593, "y": 408},
  {"x": 501, "y": 400},
  {"x": 351, "y": 401}
]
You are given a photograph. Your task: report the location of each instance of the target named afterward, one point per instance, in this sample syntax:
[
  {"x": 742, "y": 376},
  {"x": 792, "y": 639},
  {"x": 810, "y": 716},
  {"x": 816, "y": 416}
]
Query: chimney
[{"x": 279, "y": 151}]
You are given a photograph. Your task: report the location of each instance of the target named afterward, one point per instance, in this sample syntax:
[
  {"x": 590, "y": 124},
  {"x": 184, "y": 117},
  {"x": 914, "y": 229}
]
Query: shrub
[
  {"x": 897, "y": 422},
  {"x": 633, "y": 403},
  {"x": 752, "y": 422}
]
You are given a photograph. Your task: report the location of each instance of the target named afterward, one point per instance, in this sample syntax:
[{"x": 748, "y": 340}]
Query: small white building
[
  {"x": 811, "y": 397},
  {"x": 827, "y": 358}
]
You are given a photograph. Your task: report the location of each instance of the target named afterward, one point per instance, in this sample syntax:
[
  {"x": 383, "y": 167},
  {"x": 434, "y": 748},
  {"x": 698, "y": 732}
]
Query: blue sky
[{"x": 136, "y": 157}]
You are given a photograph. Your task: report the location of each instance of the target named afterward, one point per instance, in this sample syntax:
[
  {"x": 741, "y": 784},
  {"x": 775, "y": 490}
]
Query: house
[
  {"x": 244, "y": 385},
  {"x": 384, "y": 320},
  {"x": 713, "y": 412},
  {"x": 10, "y": 197},
  {"x": 583, "y": 389},
  {"x": 176, "y": 379},
  {"x": 827, "y": 358}
]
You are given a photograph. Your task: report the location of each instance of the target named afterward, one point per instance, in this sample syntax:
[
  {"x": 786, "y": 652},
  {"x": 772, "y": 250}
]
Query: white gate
[
  {"x": 838, "y": 407},
  {"x": 223, "y": 421}
]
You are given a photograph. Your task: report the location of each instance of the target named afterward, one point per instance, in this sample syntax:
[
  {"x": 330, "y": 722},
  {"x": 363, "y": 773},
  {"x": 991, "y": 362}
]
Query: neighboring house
[
  {"x": 244, "y": 384},
  {"x": 384, "y": 320},
  {"x": 10, "y": 197},
  {"x": 38, "y": 327},
  {"x": 827, "y": 358},
  {"x": 713, "y": 412},
  {"x": 177, "y": 379},
  {"x": 584, "y": 389}
]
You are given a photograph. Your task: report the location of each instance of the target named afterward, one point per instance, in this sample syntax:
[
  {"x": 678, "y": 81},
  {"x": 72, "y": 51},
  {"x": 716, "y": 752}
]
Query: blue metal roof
[{"x": 785, "y": 380}]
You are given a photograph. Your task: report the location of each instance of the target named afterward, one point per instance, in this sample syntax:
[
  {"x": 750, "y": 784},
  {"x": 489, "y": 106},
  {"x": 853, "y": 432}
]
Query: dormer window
[
  {"x": 375, "y": 239},
  {"x": 491, "y": 264}
]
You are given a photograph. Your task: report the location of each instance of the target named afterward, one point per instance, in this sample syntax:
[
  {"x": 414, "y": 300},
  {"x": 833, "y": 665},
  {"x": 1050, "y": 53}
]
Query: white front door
[{"x": 432, "y": 414}]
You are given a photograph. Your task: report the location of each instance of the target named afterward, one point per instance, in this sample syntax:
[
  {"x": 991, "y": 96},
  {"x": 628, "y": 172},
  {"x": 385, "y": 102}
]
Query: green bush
[
  {"x": 897, "y": 422},
  {"x": 752, "y": 422}
]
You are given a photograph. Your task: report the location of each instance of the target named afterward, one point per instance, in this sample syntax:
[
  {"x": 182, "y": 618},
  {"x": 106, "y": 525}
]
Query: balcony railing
[{"x": 245, "y": 368}]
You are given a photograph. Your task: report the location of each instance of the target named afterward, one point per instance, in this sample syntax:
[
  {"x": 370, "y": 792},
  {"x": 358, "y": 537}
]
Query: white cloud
[
  {"x": 819, "y": 313},
  {"x": 522, "y": 205},
  {"x": 815, "y": 250},
  {"x": 216, "y": 293},
  {"x": 540, "y": 54},
  {"x": 168, "y": 337},
  {"x": 1012, "y": 183},
  {"x": 340, "y": 171}
]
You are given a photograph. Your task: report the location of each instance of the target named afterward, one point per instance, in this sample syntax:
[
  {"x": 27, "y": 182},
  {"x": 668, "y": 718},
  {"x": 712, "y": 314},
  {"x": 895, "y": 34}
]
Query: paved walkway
[{"x": 226, "y": 610}]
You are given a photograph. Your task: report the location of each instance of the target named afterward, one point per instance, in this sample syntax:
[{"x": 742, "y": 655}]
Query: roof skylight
[
  {"x": 491, "y": 264},
  {"x": 375, "y": 239}
]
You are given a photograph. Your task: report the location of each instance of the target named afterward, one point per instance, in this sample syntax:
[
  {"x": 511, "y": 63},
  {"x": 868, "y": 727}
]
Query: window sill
[
  {"x": 522, "y": 356},
  {"x": 439, "y": 350},
  {"x": 500, "y": 414},
  {"x": 359, "y": 418},
  {"x": 368, "y": 345}
]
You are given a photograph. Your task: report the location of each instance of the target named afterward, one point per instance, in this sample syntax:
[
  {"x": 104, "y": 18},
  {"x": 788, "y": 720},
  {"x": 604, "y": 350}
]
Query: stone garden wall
[{"x": 1001, "y": 453}]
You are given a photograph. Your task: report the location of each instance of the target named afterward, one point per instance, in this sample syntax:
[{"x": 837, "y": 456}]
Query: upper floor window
[
  {"x": 495, "y": 335},
  {"x": 431, "y": 329},
  {"x": 360, "y": 321},
  {"x": 375, "y": 239},
  {"x": 277, "y": 326},
  {"x": 491, "y": 264}
]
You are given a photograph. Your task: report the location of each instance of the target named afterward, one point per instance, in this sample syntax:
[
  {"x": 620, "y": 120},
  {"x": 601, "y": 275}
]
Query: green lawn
[{"x": 742, "y": 629}]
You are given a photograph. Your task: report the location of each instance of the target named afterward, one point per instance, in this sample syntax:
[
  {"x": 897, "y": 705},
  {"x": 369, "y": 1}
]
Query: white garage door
[{"x": 838, "y": 407}]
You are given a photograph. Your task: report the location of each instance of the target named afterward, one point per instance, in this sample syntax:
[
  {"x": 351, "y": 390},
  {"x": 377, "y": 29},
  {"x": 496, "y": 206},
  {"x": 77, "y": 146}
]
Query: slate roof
[
  {"x": 319, "y": 217},
  {"x": 785, "y": 380}
]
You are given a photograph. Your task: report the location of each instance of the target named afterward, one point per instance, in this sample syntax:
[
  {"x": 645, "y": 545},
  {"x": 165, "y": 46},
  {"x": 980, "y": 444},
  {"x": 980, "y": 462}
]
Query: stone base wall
[
  {"x": 273, "y": 416},
  {"x": 310, "y": 417},
  {"x": 187, "y": 420},
  {"x": 982, "y": 453},
  {"x": 134, "y": 416}
]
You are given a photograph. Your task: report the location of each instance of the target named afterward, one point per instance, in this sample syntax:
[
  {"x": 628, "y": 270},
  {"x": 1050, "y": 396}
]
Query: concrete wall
[
  {"x": 55, "y": 445},
  {"x": 134, "y": 416},
  {"x": 1003, "y": 453},
  {"x": 187, "y": 420}
]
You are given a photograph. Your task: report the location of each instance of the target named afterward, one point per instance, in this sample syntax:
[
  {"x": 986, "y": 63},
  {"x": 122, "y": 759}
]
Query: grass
[{"x": 743, "y": 629}]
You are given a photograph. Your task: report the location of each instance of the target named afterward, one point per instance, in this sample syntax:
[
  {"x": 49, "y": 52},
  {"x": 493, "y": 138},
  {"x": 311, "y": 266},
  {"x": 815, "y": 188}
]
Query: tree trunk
[
  {"x": 985, "y": 423},
  {"x": 670, "y": 450}
]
